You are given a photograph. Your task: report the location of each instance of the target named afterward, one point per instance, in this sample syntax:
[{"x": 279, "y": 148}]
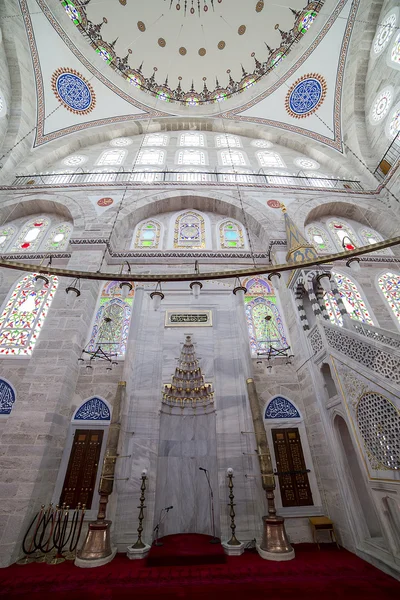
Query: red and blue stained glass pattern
[
  {"x": 319, "y": 239},
  {"x": 389, "y": 284},
  {"x": 111, "y": 325},
  {"x": 31, "y": 235},
  {"x": 23, "y": 316},
  {"x": 352, "y": 300},
  {"x": 342, "y": 232},
  {"x": 260, "y": 302}
]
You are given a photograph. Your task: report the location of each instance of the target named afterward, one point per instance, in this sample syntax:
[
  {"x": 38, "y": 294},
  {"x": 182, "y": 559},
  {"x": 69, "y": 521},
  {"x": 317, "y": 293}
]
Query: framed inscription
[{"x": 183, "y": 318}]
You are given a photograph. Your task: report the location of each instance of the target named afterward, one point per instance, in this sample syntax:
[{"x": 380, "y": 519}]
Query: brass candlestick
[
  {"x": 139, "y": 545},
  {"x": 233, "y": 541}
]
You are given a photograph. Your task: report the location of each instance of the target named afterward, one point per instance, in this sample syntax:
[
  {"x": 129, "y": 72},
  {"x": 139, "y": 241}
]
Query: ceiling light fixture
[
  {"x": 73, "y": 291},
  {"x": 125, "y": 286},
  {"x": 189, "y": 6},
  {"x": 196, "y": 286},
  {"x": 157, "y": 296}
]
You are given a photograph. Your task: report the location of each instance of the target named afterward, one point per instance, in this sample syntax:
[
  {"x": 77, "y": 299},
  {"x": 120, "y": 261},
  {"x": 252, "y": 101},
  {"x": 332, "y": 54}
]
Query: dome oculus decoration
[
  {"x": 257, "y": 61},
  {"x": 381, "y": 105},
  {"x": 73, "y": 91},
  {"x": 306, "y": 96}
]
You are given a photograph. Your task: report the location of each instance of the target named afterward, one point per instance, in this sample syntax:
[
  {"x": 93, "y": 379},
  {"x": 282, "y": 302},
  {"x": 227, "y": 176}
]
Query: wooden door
[
  {"x": 80, "y": 478},
  {"x": 291, "y": 468}
]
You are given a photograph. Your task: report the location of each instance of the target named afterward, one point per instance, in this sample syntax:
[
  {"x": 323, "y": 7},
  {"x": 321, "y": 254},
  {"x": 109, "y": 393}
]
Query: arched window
[
  {"x": 233, "y": 158},
  {"x": 23, "y": 316},
  {"x": 369, "y": 236},
  {"x": 192, "y": 138},
  {"x": 389, "y": 284},
  {"x": 31, "y": 235},
  {"x": 341, "y": 231},
  {"x": 152, "y": 156},
  {"x": 111, "y": 324},
  {"x": 189, "y": 231},
  {"x": 320, "y": 239},
  {"x": 58, "y": 237},
  {"x": 191, "y": 157},
  {"x": 352, "y": 300},
  {"x": 147, "y": 235},
  {"x": 155, "y": 139},
  {"x": 231, "y": 235},
  {"x": 112, "y": 157},
  {"x": 395, "y": 52},
  {"x": 6, "y": 235},
  {"x": 227, "y": 141},
  {"x": 260, "y": 302},
  {"x": 270, "y": 159},
  {"x": 7, "y": 397}
]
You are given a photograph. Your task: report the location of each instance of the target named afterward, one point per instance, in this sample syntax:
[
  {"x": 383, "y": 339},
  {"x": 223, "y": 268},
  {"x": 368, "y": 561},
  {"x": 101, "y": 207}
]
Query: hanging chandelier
[
  {"x": 193, "y": 6},
  {"x": 105, "y": 348},
  {"x": 272, "y": 349}
]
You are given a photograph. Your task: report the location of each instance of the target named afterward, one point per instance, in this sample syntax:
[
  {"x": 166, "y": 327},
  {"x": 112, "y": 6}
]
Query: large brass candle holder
[
  {"x": 275, "y": 544},
  {"x": 232, "y": 547},
  {"x": 140, "y": 549}
]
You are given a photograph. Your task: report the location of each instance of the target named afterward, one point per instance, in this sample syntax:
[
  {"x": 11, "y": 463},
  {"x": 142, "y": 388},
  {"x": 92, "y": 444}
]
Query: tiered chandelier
[{"x": 189, "y": 6}]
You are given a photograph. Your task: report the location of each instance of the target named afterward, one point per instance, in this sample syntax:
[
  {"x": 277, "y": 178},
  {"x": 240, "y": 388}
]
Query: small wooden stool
[{"x": 318, "y": 523}]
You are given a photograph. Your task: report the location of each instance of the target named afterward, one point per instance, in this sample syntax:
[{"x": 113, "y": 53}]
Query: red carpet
[
  {"x": 186, "y": 549},
  {"x": 312, "y": 575}
]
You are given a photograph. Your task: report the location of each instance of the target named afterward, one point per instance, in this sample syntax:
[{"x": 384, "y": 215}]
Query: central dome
[{"x": 192, "y": 51}]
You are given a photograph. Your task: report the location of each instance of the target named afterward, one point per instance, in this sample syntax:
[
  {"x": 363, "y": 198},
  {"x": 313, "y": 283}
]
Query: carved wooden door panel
[
  {"x": 293, "y": 477},
  {"x": 82, "y": 468}
]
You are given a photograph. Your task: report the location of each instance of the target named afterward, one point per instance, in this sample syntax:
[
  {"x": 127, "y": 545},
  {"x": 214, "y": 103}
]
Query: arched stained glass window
[
  {"x": 260, "y": 302},
  {"x": 232, "y": 158},
  {"x": 112, "y": 157},
  {"x": 193, "y": 138},
  {"x": 23, "y": 316},
  {"x": 147, "y": 235},
  {"x": 111, "y": 325},
  {"x": 227, "y": 141},
  {"x": 352, "y": 300},
  {"x": 189, "y": 231},
  {"x": 6, "y": 235},
  {"x": 270, "y": 159},
  {"x": 191, "y": 157},
  {"x": 31, "y": 235},
  {"x": 389, "y": 284},
  {"x": 369, "y": 236},
  {"x": 341, "y": 231},
  {"x": 152, "y": 156},
  {"x": 231, "y": 235},
  {"x": 58, "y": 237},
  {"x": 320, "y": 239},
  {"x": 155, "y": 139}
]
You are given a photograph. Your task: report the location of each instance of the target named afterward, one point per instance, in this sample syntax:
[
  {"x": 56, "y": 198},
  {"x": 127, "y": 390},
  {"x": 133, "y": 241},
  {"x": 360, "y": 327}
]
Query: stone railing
[{"x": 375, "y": 333}]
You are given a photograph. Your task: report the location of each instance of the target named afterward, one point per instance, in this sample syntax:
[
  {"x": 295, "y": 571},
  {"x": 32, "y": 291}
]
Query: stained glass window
[
  {"x": 352, "y": 300},
  {"x": 395, "y": 52},
  {"x": 344, "y": 235},
  {"x": 155, "y": 139},
  {"x": 385, "y": 32},
  {"x": 112, "y": 157},
  {"x": 389, "y": 284},
  {"x": 111, "y": 325},
  {"x": 260, "y": 302},
  {"x": 320, "y": 239},
  {"x": 31, "y": 235},
  {"x": 227, "y": 141},
  {"x": 191, "y": 157},
  {"x": 189, "y": 231},
  {"x": 231, "y": 235},
  {"x": 150, "y": 157},
  {"x": 192, "y": 139},
  {"x": 23, "y": 316},
  {"x": 147, "y": 235},
  {"x": 6, "y": 234},
  {"x": 393, "y": 126},
  {"x": 369, "y": 236},
  {"x": 270, "y": 159},
  {"x": 381, "y": 105},
  {"x": 233, "y": 158},
  {"x": 58, "y": 237}
]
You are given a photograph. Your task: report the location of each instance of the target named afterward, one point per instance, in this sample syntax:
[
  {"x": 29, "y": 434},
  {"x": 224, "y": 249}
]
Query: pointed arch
[
  {"x": 342, "y": 231},
  {"x": 31, "y": 235},
  {"x": 6, "y": 235},
  {"x": 23, "y": 316},
  {"x": 319, "y": 238},
  {"x": 189, "y": 230},
  {"x": 147, "y": 235},
  {"x": 370, "y": 236},
  {"x": 352, "y": 298},
  {"x": 231, "y": 234},
  {"x": 261, "y": 302},
  {"x": 7, "y": 397},
  {"x": 111, "y": 324},
  {"x": 93, "y": 409},
  {"x": 58, "y": 237},
  {"x": 389, "y": 286}
]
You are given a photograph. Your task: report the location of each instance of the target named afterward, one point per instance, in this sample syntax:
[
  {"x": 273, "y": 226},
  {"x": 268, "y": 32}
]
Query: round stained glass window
[
  {"x": 118, "y": 142},
  {"x": 306, "y": 163},
  {"x": 395, "y": 51},
  {"x": 381, "y": 105},
  {"x": 262, "y": 144},
  {"x": 385, "y": 32},
  {"x": 394, "y": 123},
  {"x": 74, "y": 160}
]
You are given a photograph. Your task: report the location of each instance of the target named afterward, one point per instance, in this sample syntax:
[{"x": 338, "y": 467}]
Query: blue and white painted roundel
[
  {"x": 306, "y": 96},
  {"x": 73, "y": 91}
]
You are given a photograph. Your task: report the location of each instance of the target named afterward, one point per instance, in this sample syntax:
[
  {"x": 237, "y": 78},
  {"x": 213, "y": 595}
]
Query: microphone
[
  {"x": 202, "y": 469},
  {"x": 168, "y": 508}
]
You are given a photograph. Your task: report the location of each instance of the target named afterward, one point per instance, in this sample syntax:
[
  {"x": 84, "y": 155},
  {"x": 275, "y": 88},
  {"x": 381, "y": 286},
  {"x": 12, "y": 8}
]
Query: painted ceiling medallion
[
  {"x": 259, "y": 6},
  {"x": 162, "y": 42},
  {"x": 306, "y": 96},
  {"x": 190, "y": 6},
  {"x": 221, "y": 45},
  {"x": 274, "y": 203},
  {"x": 141, "y": 26},
  {"x": 202, "y": 51},
  {"x": 242, "y": 29},
  {"x": 103, "y": 202},
  {"x": 73, "y": 91},
  {"x": 182, "y": 51}
]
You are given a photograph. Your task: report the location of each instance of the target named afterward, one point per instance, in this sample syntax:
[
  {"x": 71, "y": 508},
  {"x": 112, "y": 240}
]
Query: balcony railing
[
  {"x": 389, "y": 159},
  {"x": 151, "y": 176}
]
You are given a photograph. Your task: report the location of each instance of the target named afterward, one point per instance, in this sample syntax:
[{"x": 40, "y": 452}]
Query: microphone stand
[
  {"x": 214, "y": 540},
  {"x": 163, "y": 514}
]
